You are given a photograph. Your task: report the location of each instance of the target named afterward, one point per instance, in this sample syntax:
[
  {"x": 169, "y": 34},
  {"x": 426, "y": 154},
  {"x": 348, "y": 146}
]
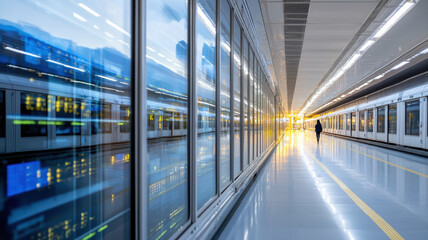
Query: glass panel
[
  {"x": 370, "y": 120},
  {"x": 225, "y": 94},
  {"x": 206, "y": 93},
  {"x": 76, "y": 58},
  {"x": 392, "y": 119},
  {"x": 354, "y": 121},
  {"x": 167, "y": 98},
  {"x": 245, "y": 90},
  {"x": 361, "y": 121},
  {"x": 381, "y": 120},
  {"x": 412, "y": 118},
  {"x": 348, "y": 122},
  {"x": 237, "y": 95},
  {"x": 251, "y": 98},
  {"x": 2, "y": 115}
]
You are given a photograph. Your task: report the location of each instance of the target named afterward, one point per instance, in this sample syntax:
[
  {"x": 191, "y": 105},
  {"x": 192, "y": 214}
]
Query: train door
[
  {"x": 424, "y": 121},
  {"x": 412, "y": 123},
  {"x": 380, "y": 124},
  {"x": 369, "y": 123},
  {"x": 353, "y": 124},
  {"x": 32, "y": 129},
  {"x": 392, "y": 124}
]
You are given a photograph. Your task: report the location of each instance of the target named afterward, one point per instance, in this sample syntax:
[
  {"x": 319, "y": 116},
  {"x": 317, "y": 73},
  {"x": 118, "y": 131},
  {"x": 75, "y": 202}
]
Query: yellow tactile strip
[{"x": 390, "y": 231}]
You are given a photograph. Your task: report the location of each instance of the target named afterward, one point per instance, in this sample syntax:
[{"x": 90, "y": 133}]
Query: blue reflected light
[{"x": 24, "y": 177}]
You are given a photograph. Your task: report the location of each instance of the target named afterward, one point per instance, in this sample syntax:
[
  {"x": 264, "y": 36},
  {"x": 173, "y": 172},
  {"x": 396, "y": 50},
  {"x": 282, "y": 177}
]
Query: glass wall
[
  {"x": 392, "y": 119},
  {"x": 361, "y": 121},
  {"x": 412, "y": 118},
  {"x": 251, "y": 103},
  {"x": 206, "y": 95},
  {"x": 370, "y": 120},
  {"x": 381, "y": 120},
  {"x": 225, "y": 94},
  {"x": 245, "y": 93},
  {"x": 70, "y": 66},
  {"x": 237, "y": 96},
  {"x": 167, "y": 103}
]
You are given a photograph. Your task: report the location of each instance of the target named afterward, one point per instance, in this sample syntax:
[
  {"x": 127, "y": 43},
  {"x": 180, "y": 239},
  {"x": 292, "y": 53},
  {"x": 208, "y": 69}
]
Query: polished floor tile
[{"x": 295, "y": 198}]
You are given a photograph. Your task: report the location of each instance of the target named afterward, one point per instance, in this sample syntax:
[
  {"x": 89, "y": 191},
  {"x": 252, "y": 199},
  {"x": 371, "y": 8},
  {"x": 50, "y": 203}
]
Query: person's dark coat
[{"x": 318, "y": 127}]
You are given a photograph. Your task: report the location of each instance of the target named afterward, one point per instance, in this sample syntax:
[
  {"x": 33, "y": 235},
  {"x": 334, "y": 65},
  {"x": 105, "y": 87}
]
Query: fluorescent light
[
  {"x": 96, "y": 27},
  {"x": 65, "y": 65},
  {"x": 88, "y": 9},
  {"x": 379, "y": 77},
  {"x": 424, "y": 51},
  {"x": 107, "y": 78},
  {"x": 399, "y": 65},
  {"x": 79, "y": 17},
  {"x": 108, "y": 34},
  {"x": 124, "y": 43},
  {"x": 394, "y": 19},
  {"x": 21, "y": 52},
  {"x": 351, "y": 61},
  {"x": 124, "y": 83},
  {"x": 117, "y": 28},
  {"x": 366, "y": 45}
]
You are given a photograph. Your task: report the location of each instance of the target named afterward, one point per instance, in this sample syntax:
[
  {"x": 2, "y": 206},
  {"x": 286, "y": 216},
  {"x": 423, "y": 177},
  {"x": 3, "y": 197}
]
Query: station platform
[{"x": 337, "y": 189}]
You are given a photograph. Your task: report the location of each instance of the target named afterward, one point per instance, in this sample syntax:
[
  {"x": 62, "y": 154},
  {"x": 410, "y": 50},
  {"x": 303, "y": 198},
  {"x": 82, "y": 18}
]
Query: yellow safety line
[
  {"x": 392, "y": 164},
  {"x": 390, "y": 231}
]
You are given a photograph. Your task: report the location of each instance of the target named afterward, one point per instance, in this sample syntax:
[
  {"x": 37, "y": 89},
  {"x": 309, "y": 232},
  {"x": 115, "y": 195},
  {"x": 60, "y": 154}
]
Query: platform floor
[{"x": 337, "y": 189}]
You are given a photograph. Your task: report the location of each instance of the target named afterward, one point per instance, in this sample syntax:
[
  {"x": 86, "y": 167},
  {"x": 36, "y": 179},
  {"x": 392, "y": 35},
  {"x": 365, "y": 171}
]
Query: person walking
[{"x": 318, "y": 130}]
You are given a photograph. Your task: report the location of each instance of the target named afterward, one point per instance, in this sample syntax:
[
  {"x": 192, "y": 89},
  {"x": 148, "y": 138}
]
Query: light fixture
[
  {"x": 384, "y": 28},
  {"x": 117, "y": 28},
  {"x": 21, "y": 52},
  {"x": 89, "y": 10},
  {"x": 65, "y": 65},
  {"x": 77, "y": 16}
]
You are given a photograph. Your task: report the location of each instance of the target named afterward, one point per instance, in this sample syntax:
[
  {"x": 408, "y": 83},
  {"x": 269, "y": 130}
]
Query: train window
[
  {"x": 100, "y": 118},
  {"x": 167, "y": 121},
  {"x": 167, "y": 89},
  {"x": 354, "y": 121},
  {"x": 412, "y": 118},
  {"x": 341, "y": 122},
  {"x": 370, "y": 120},
  {"x": 245, "y": 93},
  {"x": 124, "y": 119},
  {"x": 71, "y": 184},
  {"x": 392, "y": 119},
  {"x": 151, "y": 119},
  {"x": 34, "y": 115},
  {"x": 348, "y": 122},
  {"x": 237, "y": 95},
  {"x": 225, "y": 94},
  {"x": 68, "y": 116},
  {"x": 177, "y": 121},
  {"x": 2, "y": 114},
  {"x": 381, "y": 120},
  {"x": 361, "y": 121},
  {"x": 205, "y": 45}
]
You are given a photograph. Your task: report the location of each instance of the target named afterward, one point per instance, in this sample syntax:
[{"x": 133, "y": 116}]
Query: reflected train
[{"x": 393, "y": 116}]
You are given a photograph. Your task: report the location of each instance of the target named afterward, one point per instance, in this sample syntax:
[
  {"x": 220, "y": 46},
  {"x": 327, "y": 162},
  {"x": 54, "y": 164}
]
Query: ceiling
[{"x": 306, "y": 39}]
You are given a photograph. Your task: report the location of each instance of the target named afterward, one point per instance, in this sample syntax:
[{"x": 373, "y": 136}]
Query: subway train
[{"x": 397, "y": 115}]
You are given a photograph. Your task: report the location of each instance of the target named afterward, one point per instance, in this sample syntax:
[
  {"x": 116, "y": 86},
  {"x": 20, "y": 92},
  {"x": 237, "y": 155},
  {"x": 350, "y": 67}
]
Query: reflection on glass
[
  {"x": 362, "y": 120},
  {"x": 206, "y": 94},
  {"x": 124, "y": 119},
  {"x": 412, "y": 118},
  {"x": 251, "y": 103},
  {"x": 370, "y": 120},
  {"x": 341, "y": 122},
  {"x": 2, "y": 115},
  {"x": 354, "y": 121},
  {"x": 225, "y": 94},
  {"x": 381, "y": 120},
  {"x": 167, "y": 106},
  {"x": 237, "y": 96},
  {"x": 66, "y": 67},
  {"x": 392, "y": 119},
  {"x": 245, "y": 93}
]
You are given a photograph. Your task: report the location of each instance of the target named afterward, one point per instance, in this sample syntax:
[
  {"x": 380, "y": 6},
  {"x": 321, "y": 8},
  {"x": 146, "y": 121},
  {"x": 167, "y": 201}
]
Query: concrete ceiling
[{"x": 306, "y": 38}]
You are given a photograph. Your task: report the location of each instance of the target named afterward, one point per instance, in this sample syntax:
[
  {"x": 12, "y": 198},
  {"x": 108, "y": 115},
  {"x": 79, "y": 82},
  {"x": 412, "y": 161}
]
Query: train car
[{"x": 393, "y": 116}]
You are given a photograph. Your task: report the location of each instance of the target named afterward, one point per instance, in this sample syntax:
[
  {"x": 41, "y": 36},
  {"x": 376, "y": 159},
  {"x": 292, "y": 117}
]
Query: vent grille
[{"x": 295, "y": 18}]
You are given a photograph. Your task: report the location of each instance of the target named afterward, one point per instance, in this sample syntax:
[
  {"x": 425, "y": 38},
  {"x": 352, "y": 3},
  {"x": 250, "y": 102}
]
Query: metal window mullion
[
  {"x": 218, "y": 102},
  {"x": 139, "y": 122},
  {"x": 192, "y": 114},
  {"x": 232, "y": 98},
  {"x": 241, "y": 103}
]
